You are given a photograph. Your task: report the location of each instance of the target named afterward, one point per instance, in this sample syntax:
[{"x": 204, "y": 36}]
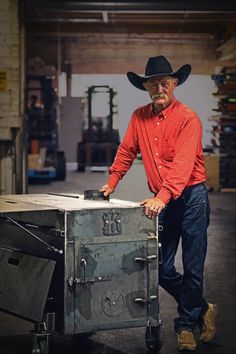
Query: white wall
[{"x": 196, "y": 92}]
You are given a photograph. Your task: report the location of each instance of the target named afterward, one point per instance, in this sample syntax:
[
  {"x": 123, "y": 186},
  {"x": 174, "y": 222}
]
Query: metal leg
[
  {"x": 153, "y": 338},
  {"x": 153, "y": 330},
  {"x": 40, "y": 339}
]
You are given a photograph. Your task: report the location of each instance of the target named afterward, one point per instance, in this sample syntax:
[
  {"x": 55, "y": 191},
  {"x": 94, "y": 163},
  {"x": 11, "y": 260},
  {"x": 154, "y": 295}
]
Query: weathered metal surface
[
  {"x": 107, "y": 276},
  {"x": 24, "y": 284},
  {"x": 47, "y": 225}
]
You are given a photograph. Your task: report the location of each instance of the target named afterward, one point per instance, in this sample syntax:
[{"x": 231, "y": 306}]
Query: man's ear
[
  {"x": 176, "y": 81},
  {"x": 144, "y": 85}
]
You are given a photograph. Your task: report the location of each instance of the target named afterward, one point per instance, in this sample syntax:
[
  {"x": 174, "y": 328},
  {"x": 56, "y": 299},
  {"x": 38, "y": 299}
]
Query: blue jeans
[{"x": 187, "y": 218}]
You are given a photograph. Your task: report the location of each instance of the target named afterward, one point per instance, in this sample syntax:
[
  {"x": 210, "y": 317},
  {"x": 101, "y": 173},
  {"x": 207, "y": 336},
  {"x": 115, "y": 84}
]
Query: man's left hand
[{"x": 153, "y": 206}]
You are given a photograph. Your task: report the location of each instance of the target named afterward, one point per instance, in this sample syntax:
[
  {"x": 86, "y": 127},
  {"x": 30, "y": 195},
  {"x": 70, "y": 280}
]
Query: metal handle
[
  {"x": 83, "y": 264},
  {"x": 146, "y": 259},
  {"x": 143, "y": 300}
]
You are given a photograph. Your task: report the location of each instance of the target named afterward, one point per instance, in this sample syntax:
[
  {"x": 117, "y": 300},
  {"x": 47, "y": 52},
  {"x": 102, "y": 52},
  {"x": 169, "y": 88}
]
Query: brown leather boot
[
  {"x": 186, "y": 341},
  {"x": 208, "y": 328}
]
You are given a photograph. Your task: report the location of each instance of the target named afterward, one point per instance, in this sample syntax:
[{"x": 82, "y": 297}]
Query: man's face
[{"x": 161, "y": 89}]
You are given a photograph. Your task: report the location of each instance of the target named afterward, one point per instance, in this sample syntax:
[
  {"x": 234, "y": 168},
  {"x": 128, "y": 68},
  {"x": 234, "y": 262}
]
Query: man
[{"x": 168, "y": 135}]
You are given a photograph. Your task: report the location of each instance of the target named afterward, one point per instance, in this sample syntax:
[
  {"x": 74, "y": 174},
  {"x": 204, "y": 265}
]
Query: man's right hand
[{"x": 107, "y": 190}]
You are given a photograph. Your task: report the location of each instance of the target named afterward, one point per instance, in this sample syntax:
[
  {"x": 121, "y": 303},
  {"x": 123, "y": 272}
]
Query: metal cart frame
[{"x": 98, "y": 261}]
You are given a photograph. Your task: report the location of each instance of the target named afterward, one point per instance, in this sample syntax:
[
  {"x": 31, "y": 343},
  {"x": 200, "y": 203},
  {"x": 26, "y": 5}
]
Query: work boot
[
  {"x": 208, "y": 325},
  {"x": 186, "y": 341}
]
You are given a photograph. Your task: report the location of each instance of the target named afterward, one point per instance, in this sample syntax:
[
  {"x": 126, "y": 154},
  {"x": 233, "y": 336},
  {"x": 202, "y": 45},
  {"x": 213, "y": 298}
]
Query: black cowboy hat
[{"x": 159, "y": 66}]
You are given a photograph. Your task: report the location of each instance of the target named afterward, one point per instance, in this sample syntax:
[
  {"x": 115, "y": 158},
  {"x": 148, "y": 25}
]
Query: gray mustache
[{"x": 158, "y": 96}]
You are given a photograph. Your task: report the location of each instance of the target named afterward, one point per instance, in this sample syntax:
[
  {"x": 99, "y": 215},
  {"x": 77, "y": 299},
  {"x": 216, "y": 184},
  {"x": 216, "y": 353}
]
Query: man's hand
[
  {"x": 153, "y": 206},
  {"x": 107, "y": 190}
]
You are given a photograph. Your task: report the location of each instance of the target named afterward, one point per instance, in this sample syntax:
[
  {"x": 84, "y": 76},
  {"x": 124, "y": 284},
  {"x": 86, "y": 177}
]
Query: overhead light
[{"x": 105, "y": 16}]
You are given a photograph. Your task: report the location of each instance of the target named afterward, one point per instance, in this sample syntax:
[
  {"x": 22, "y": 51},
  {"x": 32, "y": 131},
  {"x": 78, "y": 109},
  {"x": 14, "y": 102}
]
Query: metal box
[{"x": 98, "y": 263}]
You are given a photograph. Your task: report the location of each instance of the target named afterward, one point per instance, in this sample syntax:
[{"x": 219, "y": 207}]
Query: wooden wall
[{"x": 104, "y": 53}]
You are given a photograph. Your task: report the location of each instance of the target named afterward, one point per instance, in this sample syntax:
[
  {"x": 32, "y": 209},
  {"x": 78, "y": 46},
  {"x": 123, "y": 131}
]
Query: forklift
[
  {"x": 100, "y": 140},
  {"x": 45, "y": 161}
]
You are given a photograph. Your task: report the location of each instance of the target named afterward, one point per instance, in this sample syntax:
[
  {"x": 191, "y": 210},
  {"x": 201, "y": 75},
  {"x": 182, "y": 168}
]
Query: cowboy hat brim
[{"x": 182, "y": 74}]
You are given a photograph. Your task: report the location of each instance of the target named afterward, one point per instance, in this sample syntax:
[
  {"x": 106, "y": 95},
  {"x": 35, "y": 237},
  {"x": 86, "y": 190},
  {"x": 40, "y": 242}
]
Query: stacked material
[{"x": 226, "y": 125}]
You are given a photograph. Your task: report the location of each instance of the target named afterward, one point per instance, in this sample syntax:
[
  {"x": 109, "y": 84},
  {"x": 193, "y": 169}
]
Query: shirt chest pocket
[{"x": 168, "y": 149}]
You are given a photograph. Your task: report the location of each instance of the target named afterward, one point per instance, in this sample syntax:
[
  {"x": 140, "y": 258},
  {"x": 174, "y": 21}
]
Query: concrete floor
[{"x": 220, "y": 272}]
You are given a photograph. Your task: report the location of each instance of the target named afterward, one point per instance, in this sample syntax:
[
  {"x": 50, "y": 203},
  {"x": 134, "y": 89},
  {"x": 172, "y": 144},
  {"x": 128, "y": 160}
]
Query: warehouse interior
[{"x": 65, "y": 103}]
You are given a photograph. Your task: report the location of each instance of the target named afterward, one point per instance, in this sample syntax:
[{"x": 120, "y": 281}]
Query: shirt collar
[{"x": 166, "y": 112}]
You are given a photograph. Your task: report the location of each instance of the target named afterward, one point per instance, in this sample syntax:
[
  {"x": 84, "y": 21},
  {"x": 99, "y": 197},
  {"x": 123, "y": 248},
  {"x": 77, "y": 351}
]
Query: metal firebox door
[{"x": 115, "y": 277}]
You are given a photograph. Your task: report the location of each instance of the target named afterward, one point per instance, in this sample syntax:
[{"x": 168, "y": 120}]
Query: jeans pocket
[{"x": 195, "y": 196}]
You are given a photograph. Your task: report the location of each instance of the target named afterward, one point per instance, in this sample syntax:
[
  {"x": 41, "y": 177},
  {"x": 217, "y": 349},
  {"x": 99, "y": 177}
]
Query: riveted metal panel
[{"x": 107, "y": 277}]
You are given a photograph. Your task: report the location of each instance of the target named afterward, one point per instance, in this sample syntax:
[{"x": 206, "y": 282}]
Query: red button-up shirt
[{"x": 171, "y": 149}]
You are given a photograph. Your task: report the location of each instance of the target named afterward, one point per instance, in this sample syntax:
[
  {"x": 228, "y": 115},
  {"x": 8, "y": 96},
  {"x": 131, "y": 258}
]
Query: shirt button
[
  {"x": 156, "y": 153},
  {"x": 158, "y": 123},
  {"x": 159, "y": 166},
  {"x": 155, "y": 138}
]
